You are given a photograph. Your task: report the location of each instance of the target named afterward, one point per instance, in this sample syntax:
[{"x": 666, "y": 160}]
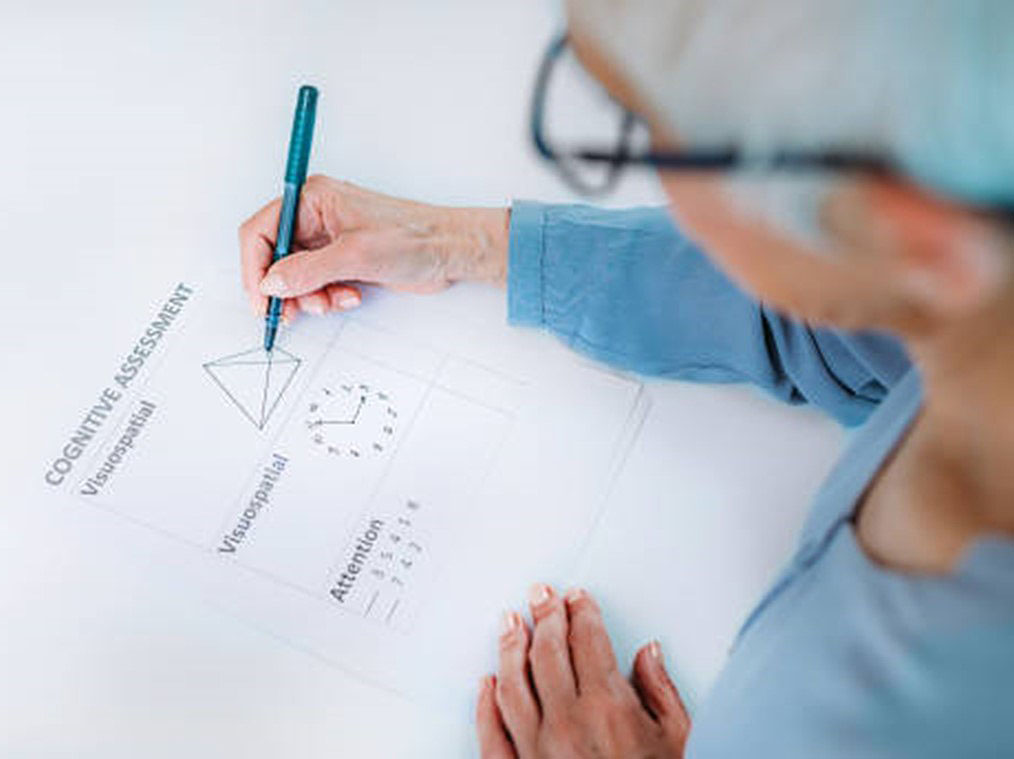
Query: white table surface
[{"x": 132, "y": 130}]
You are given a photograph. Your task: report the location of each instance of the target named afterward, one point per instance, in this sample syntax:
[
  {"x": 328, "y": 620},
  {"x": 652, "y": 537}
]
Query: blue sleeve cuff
[{"x": 525, "y": 304}]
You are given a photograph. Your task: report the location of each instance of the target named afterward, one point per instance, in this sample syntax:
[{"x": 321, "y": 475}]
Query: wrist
[{"x": 477, "y": 245}]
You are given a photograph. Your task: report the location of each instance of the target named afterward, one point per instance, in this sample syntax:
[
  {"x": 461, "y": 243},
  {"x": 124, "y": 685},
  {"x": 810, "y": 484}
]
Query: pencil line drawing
[{"x": 254, "y": 380}]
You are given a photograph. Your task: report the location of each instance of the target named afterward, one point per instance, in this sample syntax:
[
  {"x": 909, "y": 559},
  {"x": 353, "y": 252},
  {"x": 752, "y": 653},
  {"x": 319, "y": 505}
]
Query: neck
[{"x": 964, "y": 438}]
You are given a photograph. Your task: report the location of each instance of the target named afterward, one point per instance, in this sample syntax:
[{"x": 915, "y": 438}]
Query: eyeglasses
[{"x": 622, "y": 154}]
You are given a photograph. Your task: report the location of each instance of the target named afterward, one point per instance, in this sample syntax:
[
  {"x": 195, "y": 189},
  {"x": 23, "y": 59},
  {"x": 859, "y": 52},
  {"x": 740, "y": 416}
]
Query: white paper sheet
[{"x": 377, "y": 488}]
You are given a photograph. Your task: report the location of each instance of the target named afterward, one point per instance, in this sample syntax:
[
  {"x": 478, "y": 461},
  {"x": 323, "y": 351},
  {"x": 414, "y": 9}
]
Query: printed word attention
[{"x": 360, "y": 553}]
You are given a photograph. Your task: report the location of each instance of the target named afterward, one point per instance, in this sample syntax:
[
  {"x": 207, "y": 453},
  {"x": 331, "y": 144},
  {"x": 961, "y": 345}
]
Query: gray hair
[{"x": 928, "y": 82}]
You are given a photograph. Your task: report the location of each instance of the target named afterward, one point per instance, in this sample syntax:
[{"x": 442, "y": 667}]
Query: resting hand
[
  {"x": 559, "y": 693},
  {"x": 346, "y": 235}
]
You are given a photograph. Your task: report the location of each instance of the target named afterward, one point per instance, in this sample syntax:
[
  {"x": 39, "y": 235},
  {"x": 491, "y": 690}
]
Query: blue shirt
[{"x": 841, "y": 657}]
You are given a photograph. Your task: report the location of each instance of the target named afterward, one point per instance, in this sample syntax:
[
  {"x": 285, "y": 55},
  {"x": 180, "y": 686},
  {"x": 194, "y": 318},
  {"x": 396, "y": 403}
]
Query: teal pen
[{"x": 295, "y": 175}]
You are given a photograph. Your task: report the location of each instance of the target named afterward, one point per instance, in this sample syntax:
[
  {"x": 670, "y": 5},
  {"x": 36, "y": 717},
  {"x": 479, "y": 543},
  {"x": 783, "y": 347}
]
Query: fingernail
[
  {"x": 509, "y": 622},
  {"x": 315, "y": 307},
  {"x": 655, "y": 651},
  {"x": 350, "y": 300},
  {"x": 273, "y": 284},
  {"x": 574, "y": 595},
  {"x": 484, "y": 683},
  {"x": 539, "y": 593}
]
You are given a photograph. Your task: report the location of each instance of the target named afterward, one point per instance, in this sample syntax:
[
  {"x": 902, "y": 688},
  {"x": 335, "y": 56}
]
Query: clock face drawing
[{"x": 350, "y": 420}]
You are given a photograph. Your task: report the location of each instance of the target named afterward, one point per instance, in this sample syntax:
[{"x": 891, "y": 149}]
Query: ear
[{"x": 950, "y": 259}]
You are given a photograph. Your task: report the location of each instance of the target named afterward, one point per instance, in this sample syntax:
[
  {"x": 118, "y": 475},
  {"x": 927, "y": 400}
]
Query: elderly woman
[{"x": 868, "y": 150}]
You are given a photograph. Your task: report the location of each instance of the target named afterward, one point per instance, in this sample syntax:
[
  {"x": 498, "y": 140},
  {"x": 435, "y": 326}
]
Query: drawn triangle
[{"x": 254, "y": 381}]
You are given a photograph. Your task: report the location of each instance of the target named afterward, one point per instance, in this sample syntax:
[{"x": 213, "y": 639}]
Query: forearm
[
  {"x": 628, "y": 288},
  {"x": 475, "y": 244},
  {"x": 625, "y": 287}
]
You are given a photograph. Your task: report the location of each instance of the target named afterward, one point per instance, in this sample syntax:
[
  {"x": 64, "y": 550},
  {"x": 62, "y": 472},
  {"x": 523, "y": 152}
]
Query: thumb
[
  {"x": 658, "y": 693},
  {"x": 310, "y": 270}
]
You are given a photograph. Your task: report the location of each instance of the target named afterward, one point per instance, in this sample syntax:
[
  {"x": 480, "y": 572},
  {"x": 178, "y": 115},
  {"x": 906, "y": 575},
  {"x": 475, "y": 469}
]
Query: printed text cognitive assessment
[{"x": 126, "y": 372}]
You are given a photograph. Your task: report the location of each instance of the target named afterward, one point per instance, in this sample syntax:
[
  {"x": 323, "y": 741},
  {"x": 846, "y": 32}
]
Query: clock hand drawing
[
  {"x": 350, "y": 419},
  {"x": 353, "y": 420}
]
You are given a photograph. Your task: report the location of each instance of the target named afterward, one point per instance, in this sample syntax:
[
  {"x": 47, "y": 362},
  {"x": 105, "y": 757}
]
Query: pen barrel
[
  {"x": 295, "y": 175},
  {"x": 302, "y": 135},
  {"x": 274, "y": 311},
  {"x": 287, "y": 220}
]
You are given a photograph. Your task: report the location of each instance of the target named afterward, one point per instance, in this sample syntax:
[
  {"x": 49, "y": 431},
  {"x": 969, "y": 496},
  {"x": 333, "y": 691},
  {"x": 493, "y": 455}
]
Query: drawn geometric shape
[{"x": 255, "y": 380}]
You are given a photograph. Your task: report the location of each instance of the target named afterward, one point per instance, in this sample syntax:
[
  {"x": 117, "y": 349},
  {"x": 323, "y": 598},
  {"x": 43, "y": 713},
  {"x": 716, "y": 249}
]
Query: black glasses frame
[{"x": 621, "y": 156}]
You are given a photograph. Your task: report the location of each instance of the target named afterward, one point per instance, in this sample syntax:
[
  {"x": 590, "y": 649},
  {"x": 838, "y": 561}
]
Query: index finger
[{"x": 256, "y": 248}]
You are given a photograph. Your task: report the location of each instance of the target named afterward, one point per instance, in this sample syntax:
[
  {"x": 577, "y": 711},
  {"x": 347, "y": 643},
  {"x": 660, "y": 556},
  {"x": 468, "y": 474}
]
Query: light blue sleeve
[{"x": 625, "y": 287}]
